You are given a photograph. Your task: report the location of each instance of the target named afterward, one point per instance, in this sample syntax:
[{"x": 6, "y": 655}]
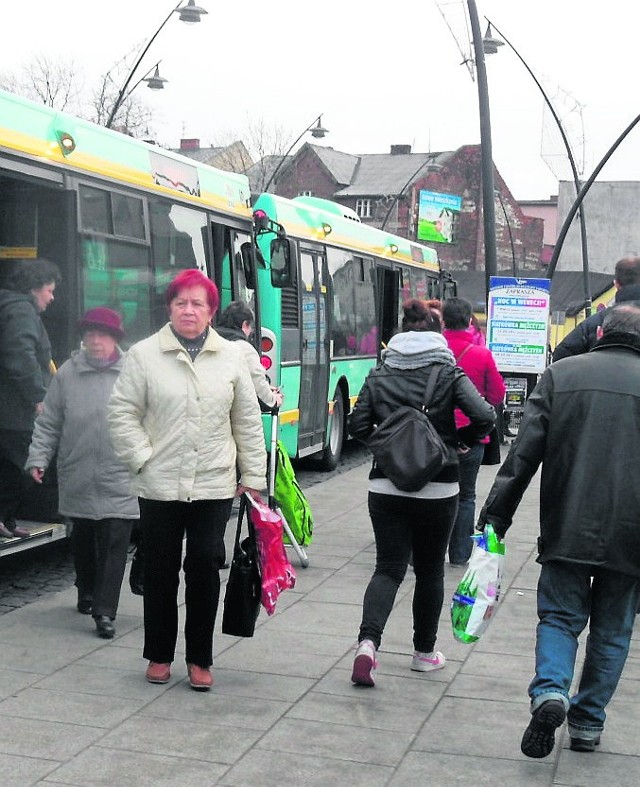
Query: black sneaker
[
  {"x": 584, "y": 744},
  {"x": 540, "y": 736}
]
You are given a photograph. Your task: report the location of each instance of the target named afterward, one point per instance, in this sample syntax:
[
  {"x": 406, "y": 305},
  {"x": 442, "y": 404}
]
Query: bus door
[
  {"x": 38, "y": 219},
  {"x": 388, "y": 283},
  {"x": 314, "y": 369}
]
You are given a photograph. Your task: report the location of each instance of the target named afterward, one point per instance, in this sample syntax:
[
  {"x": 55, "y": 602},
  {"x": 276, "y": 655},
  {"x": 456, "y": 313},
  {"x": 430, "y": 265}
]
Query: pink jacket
[{"x": 479, "y": 366}]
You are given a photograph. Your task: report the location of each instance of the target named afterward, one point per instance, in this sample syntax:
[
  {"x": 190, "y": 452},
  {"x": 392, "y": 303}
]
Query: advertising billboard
[
  {"x": 436, "y": 216},
  {"x": 518, "y": 321}
]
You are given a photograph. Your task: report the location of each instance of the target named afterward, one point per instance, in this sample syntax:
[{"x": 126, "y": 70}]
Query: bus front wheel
[{"x": 333, "y": 449}]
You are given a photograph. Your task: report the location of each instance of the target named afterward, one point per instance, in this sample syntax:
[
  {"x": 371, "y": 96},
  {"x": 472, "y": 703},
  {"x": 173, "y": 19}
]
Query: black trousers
[
  {"x": 405, "y": 525},
  {"x": 14, "y": 448},
  {"x": 164, "y": 525},
  {"x": 100, "y": 556}
]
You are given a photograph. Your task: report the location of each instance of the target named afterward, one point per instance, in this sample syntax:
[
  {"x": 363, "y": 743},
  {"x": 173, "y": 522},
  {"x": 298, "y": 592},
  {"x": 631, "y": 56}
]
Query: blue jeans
[
  {"x": 570, "y": 595},
  {"x": 460, "y": 543},
  {"x": 402, "y": 525}
]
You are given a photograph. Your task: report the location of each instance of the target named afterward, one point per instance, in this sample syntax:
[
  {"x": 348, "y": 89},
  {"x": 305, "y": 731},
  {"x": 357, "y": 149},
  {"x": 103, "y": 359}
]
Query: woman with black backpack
[{"x": 414, "y": 522}]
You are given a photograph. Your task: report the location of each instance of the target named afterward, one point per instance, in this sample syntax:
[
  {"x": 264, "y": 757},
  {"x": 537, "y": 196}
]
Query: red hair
[{"x": 192, "y": 277}]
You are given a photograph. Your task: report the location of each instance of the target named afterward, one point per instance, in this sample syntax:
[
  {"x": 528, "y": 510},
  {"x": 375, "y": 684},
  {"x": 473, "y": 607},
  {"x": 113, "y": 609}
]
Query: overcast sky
[{"x": 380, "y": 74}]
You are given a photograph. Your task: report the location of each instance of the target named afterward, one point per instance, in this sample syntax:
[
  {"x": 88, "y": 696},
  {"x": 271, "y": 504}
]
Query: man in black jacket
[
  {"x": 583, "y": 336},
  {"x": 581, "y": 424}
]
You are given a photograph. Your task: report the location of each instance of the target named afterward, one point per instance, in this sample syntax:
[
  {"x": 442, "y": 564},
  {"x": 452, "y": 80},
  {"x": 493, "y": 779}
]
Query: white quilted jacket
[{"x": 181, "y": 426}]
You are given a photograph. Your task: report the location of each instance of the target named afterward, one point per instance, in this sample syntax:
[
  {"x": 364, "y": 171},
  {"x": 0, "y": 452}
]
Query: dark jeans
[
  {"x": 402, "y": 525},
  {"x": 100, "y": 556},
  {"x": 460, "y": 543},
  {"x": 570, "y": 595},
  {"x": 164, "y": 524}
]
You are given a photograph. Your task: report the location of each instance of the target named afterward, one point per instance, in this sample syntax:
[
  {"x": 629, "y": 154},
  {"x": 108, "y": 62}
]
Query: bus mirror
[
  {"x": 282, "y": 262},
  {"x": 248, "y": 266}
]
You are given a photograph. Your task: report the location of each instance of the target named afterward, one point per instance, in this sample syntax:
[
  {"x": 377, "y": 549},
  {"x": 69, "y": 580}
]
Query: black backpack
[{"x": 406, "y": 446}]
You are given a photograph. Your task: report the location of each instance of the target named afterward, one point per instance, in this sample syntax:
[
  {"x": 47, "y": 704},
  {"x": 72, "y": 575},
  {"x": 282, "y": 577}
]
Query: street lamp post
[
  {"x": 486, "y": 153},
  {"x": 508, "y": 223},
  {"x": 189, "y": 13},
  {"x": 572, "y": 162},
  {"x": 317, "y": 132},
  {"x": 431, "y": 165}
]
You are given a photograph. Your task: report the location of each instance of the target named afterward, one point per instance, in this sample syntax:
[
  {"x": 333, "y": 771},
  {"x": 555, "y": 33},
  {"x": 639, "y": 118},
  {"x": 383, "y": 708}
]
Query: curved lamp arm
[
  {"x": 291, "y": 147},
  {"x": 412, "y": 177},
  {"x": 583, "y": 193},
  {"x": 123, "y": 90},
  {"x": 572, "y": 162}
]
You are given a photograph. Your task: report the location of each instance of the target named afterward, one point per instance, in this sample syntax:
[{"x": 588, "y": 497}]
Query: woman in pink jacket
[{"x": 479, "y": 365}]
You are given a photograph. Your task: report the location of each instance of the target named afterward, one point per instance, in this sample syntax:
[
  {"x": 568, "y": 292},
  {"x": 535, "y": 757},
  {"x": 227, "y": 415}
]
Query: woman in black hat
[{"x": 93, "y": 485}]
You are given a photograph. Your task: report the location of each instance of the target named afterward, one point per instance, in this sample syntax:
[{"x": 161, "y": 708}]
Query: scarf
[
  {"x": 192, "y": 346},
  {"x": 414, "y": 349},
  {"x": 102, "y": 363}
]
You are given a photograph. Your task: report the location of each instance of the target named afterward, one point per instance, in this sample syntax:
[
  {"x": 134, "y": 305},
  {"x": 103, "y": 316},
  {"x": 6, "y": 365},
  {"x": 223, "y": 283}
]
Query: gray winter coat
[{"x": 93, "y": 483}]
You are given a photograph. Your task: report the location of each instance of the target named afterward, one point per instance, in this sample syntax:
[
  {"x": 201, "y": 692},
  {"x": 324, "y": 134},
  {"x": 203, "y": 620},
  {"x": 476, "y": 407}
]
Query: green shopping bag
[{"x": 291, "y": 500}]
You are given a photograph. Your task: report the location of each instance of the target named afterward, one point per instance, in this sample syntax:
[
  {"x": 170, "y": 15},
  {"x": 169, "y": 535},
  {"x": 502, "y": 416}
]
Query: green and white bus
[
  {"x": 120, "y": 218},
  {"x": 330, "y": 290}
]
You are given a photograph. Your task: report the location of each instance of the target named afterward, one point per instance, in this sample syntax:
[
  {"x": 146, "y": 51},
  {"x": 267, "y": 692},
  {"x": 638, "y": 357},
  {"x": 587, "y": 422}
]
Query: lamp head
[
  {"x": 318, "y": 132},
  {"x": 156, "y": 82},
  {"x": 190, "y": 13},
  {"x": 490, "y": 44}
]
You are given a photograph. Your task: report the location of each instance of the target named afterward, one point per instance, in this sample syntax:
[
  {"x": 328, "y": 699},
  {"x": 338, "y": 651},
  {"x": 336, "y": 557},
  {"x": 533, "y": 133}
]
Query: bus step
[{"x": 40, "y": 534}]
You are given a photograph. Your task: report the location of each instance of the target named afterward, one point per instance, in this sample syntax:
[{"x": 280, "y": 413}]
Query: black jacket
[
  {"x": 584, "y": 336},
  {"x": 387, "y": 389},
  {"x": 582, "y": 423},
  {"x": 25, "y": 355}
]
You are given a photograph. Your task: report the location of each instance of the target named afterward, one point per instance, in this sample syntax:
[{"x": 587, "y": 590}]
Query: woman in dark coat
[
  {"x": 420, "y": 522},
  {"x": 25, "y": 371}
]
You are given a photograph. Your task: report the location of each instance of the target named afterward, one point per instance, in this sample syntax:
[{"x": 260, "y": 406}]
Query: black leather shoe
[
  {"x": 84, "y": 604},
  {"x": 105, "y": 626}
]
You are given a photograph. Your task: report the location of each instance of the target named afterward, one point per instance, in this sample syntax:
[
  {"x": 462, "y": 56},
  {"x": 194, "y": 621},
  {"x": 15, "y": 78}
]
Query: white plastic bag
[{"x": 478, "y": 592}]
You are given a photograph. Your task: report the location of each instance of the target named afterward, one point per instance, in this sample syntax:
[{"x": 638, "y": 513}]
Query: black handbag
[
  {"x": 406, "y": 446},
  {"x": 491, "y": 454},
  {"x": 242, "y": 594}
]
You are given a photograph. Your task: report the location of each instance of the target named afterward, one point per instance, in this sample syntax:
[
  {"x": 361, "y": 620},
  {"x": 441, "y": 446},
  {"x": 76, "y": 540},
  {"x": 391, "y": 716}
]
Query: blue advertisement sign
[{"x": 436, "y": 215}]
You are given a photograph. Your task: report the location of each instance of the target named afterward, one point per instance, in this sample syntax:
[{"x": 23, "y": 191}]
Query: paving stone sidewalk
[{"x": 76, "y": 710}]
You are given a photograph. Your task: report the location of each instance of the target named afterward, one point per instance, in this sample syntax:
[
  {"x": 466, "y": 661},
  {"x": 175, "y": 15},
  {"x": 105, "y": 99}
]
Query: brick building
[{"x": 385, "y": 191}]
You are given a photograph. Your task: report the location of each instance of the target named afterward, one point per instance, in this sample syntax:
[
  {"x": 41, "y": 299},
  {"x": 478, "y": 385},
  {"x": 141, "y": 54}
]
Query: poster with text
[{"x": 517, "y": 324}]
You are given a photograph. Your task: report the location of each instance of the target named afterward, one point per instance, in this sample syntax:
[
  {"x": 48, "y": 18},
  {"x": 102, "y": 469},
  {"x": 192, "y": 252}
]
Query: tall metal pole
[
  {"x": 488, "y": 198},
  {"x": 574, "y": 170},
  {"x": 583, "y": 193}
]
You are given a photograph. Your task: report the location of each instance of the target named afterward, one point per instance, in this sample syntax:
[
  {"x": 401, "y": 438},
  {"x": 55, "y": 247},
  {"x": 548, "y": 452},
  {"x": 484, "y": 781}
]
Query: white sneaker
[
  {"x": 364, "y": 664},
  {"x": 426, "y": 662}
]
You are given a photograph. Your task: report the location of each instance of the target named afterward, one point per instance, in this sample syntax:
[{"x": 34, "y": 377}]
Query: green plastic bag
[
  {"x": 478, "y": 592},
  {"x": 291, "y": 500}
]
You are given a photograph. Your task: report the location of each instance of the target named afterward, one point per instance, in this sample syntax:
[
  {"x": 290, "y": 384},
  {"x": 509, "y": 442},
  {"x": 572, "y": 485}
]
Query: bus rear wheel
[{"x": 333, "y": 449}]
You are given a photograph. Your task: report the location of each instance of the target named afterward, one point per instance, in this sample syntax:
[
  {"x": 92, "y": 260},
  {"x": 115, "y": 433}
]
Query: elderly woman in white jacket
[{"x": 185, "y": 419}]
